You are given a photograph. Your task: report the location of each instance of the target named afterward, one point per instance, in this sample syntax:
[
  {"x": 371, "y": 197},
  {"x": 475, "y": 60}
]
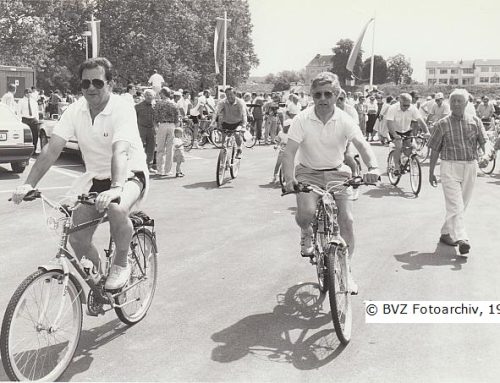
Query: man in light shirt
[
  {"x": 28, "y": 109},
  {"x": 8, "y": 98},
  {"x": 129, "y": 94},
  {"x": 439, "y": 109},
  {"x": 156, "y": 80}
]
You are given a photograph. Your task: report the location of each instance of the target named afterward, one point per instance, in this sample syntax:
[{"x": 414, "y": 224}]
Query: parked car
[
  {"x": 46, "y": 129},
  {"x": 16, "y": 141}
]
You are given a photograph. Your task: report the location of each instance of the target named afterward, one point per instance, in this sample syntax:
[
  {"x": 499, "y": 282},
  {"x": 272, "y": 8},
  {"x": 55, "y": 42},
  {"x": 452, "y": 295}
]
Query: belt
[{"x": 326, "y": 170}]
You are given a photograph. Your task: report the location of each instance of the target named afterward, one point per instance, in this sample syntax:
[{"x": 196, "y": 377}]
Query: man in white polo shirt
[
  {"x": 105, "y": 126},
  {"x": 320, "y": 135}
]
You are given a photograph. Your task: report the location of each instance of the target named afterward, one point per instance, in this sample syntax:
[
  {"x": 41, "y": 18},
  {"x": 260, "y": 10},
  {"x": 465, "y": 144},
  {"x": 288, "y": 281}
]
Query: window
[
  {"x": 468, "y": 71},
  {"x": 485, "y": 69},
  {"x": 431, "y": 81},
  {"x": 432, "y": 71},
  {"x": 453, "y": 71},
  {"x": 443, "y": 71},
  {"x": 495, "y": 68},
  {"x": 453, "y": 81},
  {"x": 495, "y": 80},
  {"x": 443, "y": 81},
  {"x": 484, "y": 79},
  {"x": 468, "y": 81}
]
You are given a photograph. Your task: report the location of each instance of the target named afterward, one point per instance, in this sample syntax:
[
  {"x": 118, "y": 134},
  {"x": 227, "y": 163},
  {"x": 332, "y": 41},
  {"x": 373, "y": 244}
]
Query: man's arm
[
  {"x": 369, "y": 158},
  {"x": 288, "y": 163},
  {"x": 432, "y": 165}
]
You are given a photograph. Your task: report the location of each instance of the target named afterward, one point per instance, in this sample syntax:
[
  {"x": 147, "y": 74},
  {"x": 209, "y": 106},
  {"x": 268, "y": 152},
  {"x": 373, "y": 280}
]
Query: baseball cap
[
  {"x": 428, "y": 98},
  {"x": 439, "y": 95},
  {"x": 177, "y": 93}
]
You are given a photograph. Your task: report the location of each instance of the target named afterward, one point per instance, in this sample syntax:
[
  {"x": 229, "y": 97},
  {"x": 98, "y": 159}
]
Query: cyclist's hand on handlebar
[
  {"x": 20, "y": 193},
  {"x": 291, "y": 186},
  {"x": 103, "y": 200}
]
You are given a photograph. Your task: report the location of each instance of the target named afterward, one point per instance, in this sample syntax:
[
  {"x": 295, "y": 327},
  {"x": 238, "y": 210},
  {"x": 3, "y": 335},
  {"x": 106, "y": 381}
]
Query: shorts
[
  {"x": 230, "y": 126},
  {"x": 178, "y": 156},
  {"x": 100, "y": 186},
  {"x": 402, "y": 135},
  {"x": 322, "y": 177}
]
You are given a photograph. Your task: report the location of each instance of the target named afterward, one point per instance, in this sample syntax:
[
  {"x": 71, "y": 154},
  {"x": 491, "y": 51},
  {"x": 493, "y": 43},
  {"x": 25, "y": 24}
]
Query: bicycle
[
  {"x": 331, "y": 253},
  {"x": 226, "y": 161},
  {"x": 207, "y": 133},
  {"x": 43, "y": 320},
  {"x": 410, "y": 163},
  {"x": 492, "y": 153},
  {"x": 422, "y": 150}
]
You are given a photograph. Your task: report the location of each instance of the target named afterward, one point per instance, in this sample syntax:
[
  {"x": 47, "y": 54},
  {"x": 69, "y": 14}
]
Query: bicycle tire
[
  {"x": 322, "y": 244},
  {"x": 235, "y": 163},
  {"x": 415, "y": 174},
  {"x": 144, "y": 261},
  {"x": 216, "y": 138},
  {"x": 422, "y": 149},
  {"x": 391, "y": 167},
  {"x": 358, "y": 164},
  {"x": 251, "y": 142},
  {"x": 282, "y": 179},
  {"x": 339, "y": 294},
  {"x": 221, "y": 167},
  {"x": 188, "y": 138},
  {"x": 56, "y": 347},
  {"x": 488, "y": 169}
]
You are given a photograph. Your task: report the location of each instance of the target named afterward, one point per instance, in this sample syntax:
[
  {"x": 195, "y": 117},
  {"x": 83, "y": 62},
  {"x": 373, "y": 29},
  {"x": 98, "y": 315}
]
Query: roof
[
  {"x": 321, "y": 60},
  {"x": 461, "y": 63},
  {"x": 16, "y": 68}
]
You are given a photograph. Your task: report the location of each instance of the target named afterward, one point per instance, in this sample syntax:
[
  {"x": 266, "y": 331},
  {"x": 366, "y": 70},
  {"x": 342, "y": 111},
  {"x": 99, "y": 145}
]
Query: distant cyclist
[
  {"x": 231, "y": 113},
  {"x": 105, "y": 126}
]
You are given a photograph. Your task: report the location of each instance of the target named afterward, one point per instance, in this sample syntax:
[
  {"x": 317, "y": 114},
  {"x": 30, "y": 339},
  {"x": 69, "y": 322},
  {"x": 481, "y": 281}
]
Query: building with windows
[
  {"x": 463, "y": 72},
  {"x": 320, "y": 63}
]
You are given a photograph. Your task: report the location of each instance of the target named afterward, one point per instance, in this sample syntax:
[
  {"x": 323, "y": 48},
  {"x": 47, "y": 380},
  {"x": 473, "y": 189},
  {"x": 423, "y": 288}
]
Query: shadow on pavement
[
  {"x": 271, "y": 185},
  {"x": 205, "y": 185},
  {"x": 90, "y": 340},
  {"x": 388, "y": 190},
  {"x": 6, "y": 174},
  {"x": 268, "y": 336},
  {"x": 444, "y": 255}
]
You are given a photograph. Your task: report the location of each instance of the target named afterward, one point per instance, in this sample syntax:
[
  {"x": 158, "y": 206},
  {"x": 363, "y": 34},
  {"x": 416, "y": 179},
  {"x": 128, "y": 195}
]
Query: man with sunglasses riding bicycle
[
  {"x": 105, "y": 126},
  {"x": 320, "y": 134}
]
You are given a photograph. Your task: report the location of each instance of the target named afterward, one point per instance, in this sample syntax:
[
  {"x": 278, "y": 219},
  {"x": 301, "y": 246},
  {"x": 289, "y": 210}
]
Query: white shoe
[
  {"x": 118, "y": 277},
  {"x": 306, "y": 245}
]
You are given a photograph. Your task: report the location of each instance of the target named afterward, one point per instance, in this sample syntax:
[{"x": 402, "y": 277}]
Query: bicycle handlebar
[{"x": 355, "y": 182}]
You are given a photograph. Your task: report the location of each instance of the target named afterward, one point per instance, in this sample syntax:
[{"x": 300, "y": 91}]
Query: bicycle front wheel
[
  {"x": 221, "y": 167},
  {"x": 338, "y": 292},
  {"x": 235, "y": 163},
  {"x": 391, "y": 168},
  {"x": 415, "y": 175},
  {"x": 422, "y": 148},
  {"x": 41, "y": 327},
  {"x": 249, "y": 142},
  {"x": 188, "y": 138},
  {"x": 216, "y": 138},
  {"x": 133, "y": 304}
]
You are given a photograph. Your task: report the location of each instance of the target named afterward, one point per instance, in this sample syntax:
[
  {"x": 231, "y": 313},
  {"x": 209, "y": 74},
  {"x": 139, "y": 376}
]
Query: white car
[
  {"x": 46, "y": 129},
  {"x": 16, "y": 141}
]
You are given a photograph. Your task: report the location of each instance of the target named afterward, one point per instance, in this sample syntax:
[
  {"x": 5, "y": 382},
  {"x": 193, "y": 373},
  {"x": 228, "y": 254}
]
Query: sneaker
[
  {"x": 195, "y": 145},
  {"x": 275, "y": 179},
  {"x": 180, "y": 174},
  {"x": 463, "y": 246},
  {"x": 238, "y": 154},
  {"x": 447, "y": 240},
  {"x": 118, "y": 277},
  {"x": 306, "y": 245},
  {"x": 153, "y": 171}
]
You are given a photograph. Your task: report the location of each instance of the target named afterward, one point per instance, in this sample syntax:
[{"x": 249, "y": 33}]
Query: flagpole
[
  {"x": 225, "y": 48},
  {"x": 373, "y": 55}
]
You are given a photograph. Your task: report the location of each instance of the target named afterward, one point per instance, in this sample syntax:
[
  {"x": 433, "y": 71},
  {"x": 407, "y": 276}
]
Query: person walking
[
  {"x": 456, "y": 139},
  {"x": 178, "y": 151},
  {"x": 166, "y": 116},
  {"x": 8, "y": 98},
  {"x": 29, "y": 115},
  {"x": 146, "y": 124}
]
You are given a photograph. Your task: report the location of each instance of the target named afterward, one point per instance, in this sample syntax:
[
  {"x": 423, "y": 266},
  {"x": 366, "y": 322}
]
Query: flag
[
  {"x": 94, "y": 27},
  {"x": 356, "y": 48},
  {"x": 218, "y": 41}
]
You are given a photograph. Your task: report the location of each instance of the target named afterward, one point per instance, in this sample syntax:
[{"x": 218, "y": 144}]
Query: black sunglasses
[
  {"x": 97, "y": 83},
  {"x": 327, "y": 94},
  {"x": 405, "y": 105}
]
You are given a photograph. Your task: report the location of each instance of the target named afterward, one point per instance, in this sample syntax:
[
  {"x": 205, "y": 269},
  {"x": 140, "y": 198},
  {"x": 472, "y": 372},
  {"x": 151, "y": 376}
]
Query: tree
[
  {"x": 399, "y": 69},
  {"x": 341, "y": 54},
  {"x": 282, "y": 81},
  {"x": 379, "y": 70}
]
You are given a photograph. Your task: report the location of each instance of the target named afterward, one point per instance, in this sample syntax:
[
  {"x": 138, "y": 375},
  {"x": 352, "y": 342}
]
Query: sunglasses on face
[
  {"x": 327, "y": 94},
  {"x": 97, "y": 83},
  {"x": 340, "y": 99},
  {"x": 405, "y": 105}
]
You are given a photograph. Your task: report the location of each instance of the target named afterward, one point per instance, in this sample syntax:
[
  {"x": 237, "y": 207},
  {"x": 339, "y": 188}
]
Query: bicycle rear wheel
[
  {"x": 339, "y": 294},
  {"x": 142, "y": 282},
  {"x": 221, "y": 167},
  {"x": 216, "y": 138},
  {"x": 188, "y": 138},
  {"x": 41, "y": 327},
  {"x": 235, "y": 163},
  {"x": 415, "y": 174},
  {"x": 391, "y": 167},
  {"x": 488, "y": 169}
]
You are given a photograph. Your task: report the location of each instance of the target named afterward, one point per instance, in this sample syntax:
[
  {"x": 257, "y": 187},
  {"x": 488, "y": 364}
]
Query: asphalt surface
[{"x": 230, "y": 270}]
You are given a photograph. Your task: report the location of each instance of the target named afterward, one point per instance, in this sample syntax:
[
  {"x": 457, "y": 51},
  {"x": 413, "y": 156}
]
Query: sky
[{"x": 287, "y": 34}]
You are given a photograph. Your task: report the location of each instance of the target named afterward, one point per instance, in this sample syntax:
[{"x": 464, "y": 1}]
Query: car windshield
[{"x": 6, "y": 115}]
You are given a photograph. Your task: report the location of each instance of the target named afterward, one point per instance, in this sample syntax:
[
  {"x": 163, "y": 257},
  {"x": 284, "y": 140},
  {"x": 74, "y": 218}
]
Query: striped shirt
[
  {"x": 457, "y": 139},
  {"x": 166, "y": 111}
]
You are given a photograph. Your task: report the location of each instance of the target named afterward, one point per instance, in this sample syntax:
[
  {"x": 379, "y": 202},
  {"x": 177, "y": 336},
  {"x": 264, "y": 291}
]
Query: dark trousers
[
  {"x": 257, "y": 126},
  {"x": 148, "y": 140},
  {"x": 33, "y": 124},
  {"x": 372, "y": 118}
]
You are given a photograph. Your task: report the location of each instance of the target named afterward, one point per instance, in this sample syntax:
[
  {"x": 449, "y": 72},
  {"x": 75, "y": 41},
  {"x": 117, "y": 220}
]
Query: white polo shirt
[
  {"x": 117, "y": 122},
  {"x": 402, "y": 118},
  {"x": 322, "y": 146}
]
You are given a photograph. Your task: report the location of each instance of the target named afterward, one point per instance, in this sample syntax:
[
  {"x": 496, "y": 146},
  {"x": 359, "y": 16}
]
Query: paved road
[{"x": 229, "y": 268}]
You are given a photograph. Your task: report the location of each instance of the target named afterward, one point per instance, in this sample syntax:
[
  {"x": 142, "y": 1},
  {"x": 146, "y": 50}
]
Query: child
[
  {"x": 280, "y": 141},
  {"x": 178, "y": 151}
]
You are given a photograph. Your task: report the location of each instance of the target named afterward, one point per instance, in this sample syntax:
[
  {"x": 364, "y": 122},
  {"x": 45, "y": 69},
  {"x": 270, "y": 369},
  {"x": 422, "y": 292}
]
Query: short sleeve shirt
[
  {"x": 117, "y": 122},
  {"x": 402, "y": 118},
  {"x": 322, "y": 146}
]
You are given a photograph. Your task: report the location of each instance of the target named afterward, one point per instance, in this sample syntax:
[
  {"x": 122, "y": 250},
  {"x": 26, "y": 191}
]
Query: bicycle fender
[{"x": 74, "y": 279}]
